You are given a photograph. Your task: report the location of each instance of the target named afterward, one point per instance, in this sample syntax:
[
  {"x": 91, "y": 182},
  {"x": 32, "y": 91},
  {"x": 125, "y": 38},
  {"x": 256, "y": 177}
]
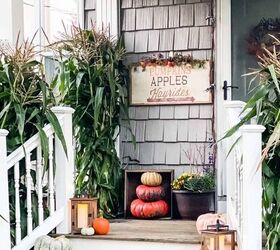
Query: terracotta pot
[{"x": 190, "y": 205}]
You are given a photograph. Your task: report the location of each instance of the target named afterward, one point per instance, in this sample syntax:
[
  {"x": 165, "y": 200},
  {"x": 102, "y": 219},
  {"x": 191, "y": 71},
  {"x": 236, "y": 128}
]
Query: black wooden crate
[{"x": 133, "y": 179}]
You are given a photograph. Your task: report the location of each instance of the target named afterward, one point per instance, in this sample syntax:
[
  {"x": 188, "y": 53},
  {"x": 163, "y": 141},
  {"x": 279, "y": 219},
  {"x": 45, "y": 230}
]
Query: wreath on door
[{"x": 263, "y": 36}]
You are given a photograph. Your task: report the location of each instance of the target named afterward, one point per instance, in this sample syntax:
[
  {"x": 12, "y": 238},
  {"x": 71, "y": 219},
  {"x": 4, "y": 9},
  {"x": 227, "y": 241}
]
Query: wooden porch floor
[{"x": 164, "y": 231}]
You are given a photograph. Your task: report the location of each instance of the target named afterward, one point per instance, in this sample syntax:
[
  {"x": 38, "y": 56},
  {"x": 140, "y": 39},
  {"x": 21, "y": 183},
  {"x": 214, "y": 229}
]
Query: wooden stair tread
[{"x": 163, "y": 231}]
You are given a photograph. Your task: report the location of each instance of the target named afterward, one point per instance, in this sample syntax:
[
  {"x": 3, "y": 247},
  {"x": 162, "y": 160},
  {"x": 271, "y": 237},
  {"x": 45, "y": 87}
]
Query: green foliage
[
  {"x": 25, "y": 103},
  {"x": 92, "y": 79},
  {"x": 265, "y": 105},
  {"x": 195, "y": 182}
]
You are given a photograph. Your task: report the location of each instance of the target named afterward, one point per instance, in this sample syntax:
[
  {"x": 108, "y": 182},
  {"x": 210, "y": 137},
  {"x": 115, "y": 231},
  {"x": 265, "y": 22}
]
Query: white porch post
[
  {"x": 233, "y": 108},
  {"x": 223, "y": 73},
  {"x": 107, "y": 19},
  {"x": 107, "y": 16},
  {"x": 64, "y": 165},
  {"x": 4, "y": 204},
  {"x": 252, "y": 187},
  {"x": 11, "y": 20}
]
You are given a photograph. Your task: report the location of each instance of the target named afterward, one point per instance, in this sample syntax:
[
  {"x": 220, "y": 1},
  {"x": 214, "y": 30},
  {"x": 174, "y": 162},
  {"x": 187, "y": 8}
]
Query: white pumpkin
[
  {"x": 49, "y": 243},
  {"x": 205, "y": 220},
  {"x": 87, "y": 231}
]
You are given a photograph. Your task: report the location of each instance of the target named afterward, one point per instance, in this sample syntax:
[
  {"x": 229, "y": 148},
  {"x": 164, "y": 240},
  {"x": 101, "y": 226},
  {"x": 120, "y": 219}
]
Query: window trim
[{"x": 40, "y": 20}]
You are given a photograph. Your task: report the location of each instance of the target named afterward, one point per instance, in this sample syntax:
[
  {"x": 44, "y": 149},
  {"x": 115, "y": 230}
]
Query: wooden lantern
[
  {"x": 214, "y": 237},
  {"x": 83, "y": 211}
]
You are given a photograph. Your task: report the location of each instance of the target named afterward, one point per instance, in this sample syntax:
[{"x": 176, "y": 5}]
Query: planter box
[
  {"x": 189, "y": 205},
  {"x": 133, "y": 179}
]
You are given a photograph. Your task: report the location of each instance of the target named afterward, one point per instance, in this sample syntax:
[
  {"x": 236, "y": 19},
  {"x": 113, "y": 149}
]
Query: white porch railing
[
  {"x": 57, "y": 182},
  {"x": 244, "y": 186}
]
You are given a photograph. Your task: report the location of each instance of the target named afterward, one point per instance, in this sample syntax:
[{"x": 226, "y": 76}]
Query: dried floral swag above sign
[{"x": 176, "y": 60}]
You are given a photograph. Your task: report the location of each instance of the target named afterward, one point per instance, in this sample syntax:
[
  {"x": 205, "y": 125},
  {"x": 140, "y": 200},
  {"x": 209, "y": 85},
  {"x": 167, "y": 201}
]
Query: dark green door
[{"x": 245, "y": 15}]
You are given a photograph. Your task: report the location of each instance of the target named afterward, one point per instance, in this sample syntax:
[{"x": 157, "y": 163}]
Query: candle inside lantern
[
  {"x": 222, "y": 242},
  {"x": 82, "y": 215},
  {"x": 212, "y": 244}
]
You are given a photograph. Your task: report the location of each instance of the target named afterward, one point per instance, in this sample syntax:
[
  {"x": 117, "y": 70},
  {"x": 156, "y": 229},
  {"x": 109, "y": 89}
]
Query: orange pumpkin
[
  {"x": 101, "y": 226},
  {"x": 155, "y": 209},
  {"x": 146, "y": 193}
]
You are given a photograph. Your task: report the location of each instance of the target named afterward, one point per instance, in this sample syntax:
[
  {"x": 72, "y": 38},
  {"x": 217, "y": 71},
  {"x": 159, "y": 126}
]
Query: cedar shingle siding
[{"x": 167, "y": 136}]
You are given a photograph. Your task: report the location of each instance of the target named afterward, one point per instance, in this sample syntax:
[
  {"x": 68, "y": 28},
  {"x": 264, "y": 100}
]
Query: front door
[
  {"x": 245, "y": 16},
  {"x": 235, "y": 20}
]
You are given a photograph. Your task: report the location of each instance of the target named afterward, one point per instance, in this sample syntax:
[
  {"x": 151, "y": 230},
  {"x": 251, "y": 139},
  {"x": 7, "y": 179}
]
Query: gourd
[
  {"x": 152, "y": 179},
  {"x": 48, "y": 243},
  {"x": 146, "y": 193},
  {"x": 141, "y": 209},
  {"x": 101, "y": 226},
  {"x": 87, "y": 231}
]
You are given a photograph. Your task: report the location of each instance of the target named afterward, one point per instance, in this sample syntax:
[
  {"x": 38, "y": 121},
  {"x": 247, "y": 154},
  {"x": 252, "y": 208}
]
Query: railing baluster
[
  {"x": 39, "y": 184},
  {"x": 28, "y": 193},
  {"x": 4, "y": 204},
  {"x": 17, "y": 203},
  {"x": 51, "y": 176}
]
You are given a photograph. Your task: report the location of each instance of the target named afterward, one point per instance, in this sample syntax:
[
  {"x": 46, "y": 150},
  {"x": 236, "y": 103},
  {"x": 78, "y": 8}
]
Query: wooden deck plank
[{"x": 164, "y": 231}]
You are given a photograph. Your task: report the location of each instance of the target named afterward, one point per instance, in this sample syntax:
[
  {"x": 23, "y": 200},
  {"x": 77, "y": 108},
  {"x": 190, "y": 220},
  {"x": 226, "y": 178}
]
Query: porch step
[
  {"x": 142, "y": 234},
  {"x": 89, "y": 244}
]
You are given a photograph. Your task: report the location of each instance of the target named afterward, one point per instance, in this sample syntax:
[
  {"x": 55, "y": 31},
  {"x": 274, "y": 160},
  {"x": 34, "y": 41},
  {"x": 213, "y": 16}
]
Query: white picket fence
[
  {"x": 244, "y": 185},
  {"x": 57, "y": 181}
]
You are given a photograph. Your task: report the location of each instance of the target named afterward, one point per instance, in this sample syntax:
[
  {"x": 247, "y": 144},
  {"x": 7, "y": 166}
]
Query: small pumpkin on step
[
  {"x": 87, "y": 231},
  {"x": 48, "y": 243},
  {"x": 101, "y": 225}
]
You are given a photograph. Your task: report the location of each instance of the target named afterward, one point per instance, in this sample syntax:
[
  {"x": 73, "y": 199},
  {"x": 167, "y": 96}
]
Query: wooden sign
[{"x": 159, "y": 85}]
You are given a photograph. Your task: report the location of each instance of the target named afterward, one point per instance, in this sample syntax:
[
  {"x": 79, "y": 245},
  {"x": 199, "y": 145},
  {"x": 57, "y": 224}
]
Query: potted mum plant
[{"x": 193, "y": 194}]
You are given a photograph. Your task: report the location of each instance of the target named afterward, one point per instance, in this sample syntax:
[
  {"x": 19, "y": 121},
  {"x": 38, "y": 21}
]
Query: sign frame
[{"x": 166, "y": 103}]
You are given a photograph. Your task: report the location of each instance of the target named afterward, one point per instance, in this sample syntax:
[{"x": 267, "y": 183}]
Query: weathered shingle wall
[
  {"x": 167, "y": 137},
  {"x": 150, "y": 26},
  {"x": 90, "y": 13}
]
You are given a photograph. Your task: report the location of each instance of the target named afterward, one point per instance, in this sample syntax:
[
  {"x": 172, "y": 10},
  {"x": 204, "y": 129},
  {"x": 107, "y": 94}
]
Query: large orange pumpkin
[
  {"x": 101, "y": 226},
  {"x": 141, "y": 209},
  {"x": 146, "y": 193}
]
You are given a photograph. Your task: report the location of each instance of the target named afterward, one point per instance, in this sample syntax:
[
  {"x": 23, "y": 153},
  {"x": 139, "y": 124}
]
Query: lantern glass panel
[
  {"x": 82, "y": 213},
  {"x": 221, "y": 242}
]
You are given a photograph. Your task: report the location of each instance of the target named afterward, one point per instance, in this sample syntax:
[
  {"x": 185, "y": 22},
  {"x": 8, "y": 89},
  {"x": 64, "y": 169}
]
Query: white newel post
[
  {"x": 252, "y": 187},
  {"x": 233, "y": 110},
  {"x": 64, "y": 166},
  {"x": 5, "y": 239}
]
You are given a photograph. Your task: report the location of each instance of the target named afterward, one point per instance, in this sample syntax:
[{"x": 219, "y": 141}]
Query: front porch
[{"x": 173, "y": 136}]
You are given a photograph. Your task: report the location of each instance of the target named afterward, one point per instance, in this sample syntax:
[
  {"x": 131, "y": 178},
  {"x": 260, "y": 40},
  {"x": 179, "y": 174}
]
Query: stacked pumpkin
[{"x": 150, "y": 194}]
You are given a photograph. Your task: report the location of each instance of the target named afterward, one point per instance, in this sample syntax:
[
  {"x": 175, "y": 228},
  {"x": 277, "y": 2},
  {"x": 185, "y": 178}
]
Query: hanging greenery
[
  {"x": 265, "y": 106},
  {"x": 92, "y": 79},
  {"x": 262, "y": 36}
]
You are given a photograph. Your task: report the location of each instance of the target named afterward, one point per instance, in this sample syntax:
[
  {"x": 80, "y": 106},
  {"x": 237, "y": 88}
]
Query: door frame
[{"x": 222, "y": 73}]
